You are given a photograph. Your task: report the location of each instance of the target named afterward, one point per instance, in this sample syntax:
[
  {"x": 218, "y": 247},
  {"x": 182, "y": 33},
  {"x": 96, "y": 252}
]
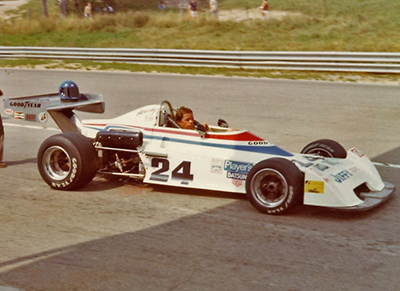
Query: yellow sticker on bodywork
[{"x": 314, "y": 187}]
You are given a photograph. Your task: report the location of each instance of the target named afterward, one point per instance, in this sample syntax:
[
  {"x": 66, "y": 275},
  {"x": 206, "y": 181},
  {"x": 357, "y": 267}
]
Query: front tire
[
  {"x": 274, "y": 186},
  {"x": 67, "y": 161},
  {"x": 325, "y": 148}
]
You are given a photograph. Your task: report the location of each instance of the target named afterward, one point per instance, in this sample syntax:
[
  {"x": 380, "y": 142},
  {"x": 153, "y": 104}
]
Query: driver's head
[{"x": 184, "y": 117}]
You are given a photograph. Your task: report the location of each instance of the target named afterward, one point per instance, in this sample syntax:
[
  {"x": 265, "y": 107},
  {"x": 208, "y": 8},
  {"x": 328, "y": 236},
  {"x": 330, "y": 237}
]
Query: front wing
[{"x": 345, "y": 184}]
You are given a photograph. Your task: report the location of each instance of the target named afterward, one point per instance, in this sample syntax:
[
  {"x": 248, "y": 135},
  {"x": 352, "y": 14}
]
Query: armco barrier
[{"x": 278, "y": 60}]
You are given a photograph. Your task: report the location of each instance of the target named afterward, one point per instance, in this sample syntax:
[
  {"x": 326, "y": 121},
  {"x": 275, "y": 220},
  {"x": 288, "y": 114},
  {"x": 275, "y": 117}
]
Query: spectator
[
  {"x": 2, "y": 165},
  {"x": 214, "y": 7},
  {"x": 88, "y": 10},
  {"x": 265, "y": 8},
  {"x": 161, "y": 5},
  {"x": 108, "y": 9},
  {"x": 193, "y": 8}
]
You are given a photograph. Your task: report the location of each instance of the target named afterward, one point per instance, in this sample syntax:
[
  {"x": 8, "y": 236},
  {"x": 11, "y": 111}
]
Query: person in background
[
  {"x": 193, "y": 8},
  {"x": 88, "y": 10},
  {"x": 108, "y": 9},
  {"x": 2, "y": 165},
  {"x": 214, "y": 7},
  {"x": 264, "y": 8},
  {"x": 161, "y": 5}
]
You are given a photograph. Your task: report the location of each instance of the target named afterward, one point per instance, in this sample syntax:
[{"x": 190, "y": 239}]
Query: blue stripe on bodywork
[{"x": 271, "y": 150}]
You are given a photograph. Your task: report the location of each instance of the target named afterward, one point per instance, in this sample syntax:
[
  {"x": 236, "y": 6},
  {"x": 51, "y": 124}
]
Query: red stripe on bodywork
[{"x": 241, "y": 136}]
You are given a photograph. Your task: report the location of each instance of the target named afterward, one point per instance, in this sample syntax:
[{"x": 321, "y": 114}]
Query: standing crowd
[{"x": 192, "y": 8}]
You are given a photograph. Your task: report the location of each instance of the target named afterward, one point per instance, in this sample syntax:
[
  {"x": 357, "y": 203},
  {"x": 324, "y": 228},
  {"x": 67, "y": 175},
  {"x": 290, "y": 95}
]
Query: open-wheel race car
[{"x": 148, "y": 144}]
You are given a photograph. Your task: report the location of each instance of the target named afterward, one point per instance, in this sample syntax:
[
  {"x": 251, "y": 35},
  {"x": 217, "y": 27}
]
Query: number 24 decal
[{"x": 181, "y": 172}]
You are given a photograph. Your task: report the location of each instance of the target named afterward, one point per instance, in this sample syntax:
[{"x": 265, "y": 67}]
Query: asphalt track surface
[{"x": 129, "y": 236}]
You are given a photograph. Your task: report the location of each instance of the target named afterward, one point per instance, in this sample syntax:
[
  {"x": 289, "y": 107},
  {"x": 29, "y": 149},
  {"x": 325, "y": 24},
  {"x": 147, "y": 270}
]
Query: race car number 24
[{"x": 180, "y": 172}]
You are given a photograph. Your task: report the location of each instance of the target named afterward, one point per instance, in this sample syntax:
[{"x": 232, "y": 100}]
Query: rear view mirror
[{"x": 222, "y": 123}]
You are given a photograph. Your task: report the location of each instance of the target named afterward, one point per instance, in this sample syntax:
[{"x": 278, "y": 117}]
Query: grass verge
[{"x": 360, "y": 25}]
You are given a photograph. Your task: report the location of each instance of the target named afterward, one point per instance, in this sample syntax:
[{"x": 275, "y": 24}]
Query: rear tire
[
  {"x": 325, "y": 148},
  {"x": 274, "y": 186},
  {"x": 67, "y": 161}
]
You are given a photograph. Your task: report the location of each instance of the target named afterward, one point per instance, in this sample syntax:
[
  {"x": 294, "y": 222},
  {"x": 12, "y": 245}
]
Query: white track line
[
  {"x": 388, "y": 165},
  {"x": 30, "y": 126}
]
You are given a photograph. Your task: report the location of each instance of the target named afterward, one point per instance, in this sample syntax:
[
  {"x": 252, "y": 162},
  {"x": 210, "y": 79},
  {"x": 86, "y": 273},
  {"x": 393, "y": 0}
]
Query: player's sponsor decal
[
  {"x": 26, "y": 104},
  {"x": 238, "y": 167},
  {"x": 314, "y": 187},
  {"x": 9, "y": 111},
  {"x": 237, "y": 170},
  {"x": 342, "y": 176}
]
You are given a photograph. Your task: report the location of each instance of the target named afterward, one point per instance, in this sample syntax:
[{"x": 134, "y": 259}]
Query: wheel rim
[
  {"x": 57, "y": 163},
  {"x": 320, "y": 152},
  {"x": 270, "y": 187}
]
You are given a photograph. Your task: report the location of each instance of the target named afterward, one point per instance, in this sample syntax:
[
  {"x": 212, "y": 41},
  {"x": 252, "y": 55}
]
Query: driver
[{"x": 184, "y": 117}]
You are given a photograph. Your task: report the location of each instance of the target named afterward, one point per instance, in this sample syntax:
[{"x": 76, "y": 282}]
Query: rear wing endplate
[{"x": 37, "y": 108}]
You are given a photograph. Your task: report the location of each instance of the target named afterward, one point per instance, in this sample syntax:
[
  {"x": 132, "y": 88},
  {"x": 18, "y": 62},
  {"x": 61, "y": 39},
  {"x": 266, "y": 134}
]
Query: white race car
[{"x": 147, "y": 144}]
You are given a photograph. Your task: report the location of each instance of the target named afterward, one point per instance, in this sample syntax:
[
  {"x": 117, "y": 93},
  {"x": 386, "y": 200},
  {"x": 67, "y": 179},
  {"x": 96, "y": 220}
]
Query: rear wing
[{"x": 37, "y": 108}]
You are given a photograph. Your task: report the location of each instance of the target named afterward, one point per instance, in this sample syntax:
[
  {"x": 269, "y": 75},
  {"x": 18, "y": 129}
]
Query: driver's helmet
[{"x": 68, "y": 91}]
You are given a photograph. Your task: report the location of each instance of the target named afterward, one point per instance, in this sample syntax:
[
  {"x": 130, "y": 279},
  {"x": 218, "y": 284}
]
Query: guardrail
[{"x": 275, "y": 60}]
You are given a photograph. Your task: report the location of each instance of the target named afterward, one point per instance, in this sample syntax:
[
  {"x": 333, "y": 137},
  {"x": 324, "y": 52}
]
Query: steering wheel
[{"x": 166, "y": 115}]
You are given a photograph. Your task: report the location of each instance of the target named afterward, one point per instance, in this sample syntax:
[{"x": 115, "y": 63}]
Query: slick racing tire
[
  {"x": 67, "y": 161},
  {"x": 274, "y": 186},
  {"x": 325, "y": 148}
]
